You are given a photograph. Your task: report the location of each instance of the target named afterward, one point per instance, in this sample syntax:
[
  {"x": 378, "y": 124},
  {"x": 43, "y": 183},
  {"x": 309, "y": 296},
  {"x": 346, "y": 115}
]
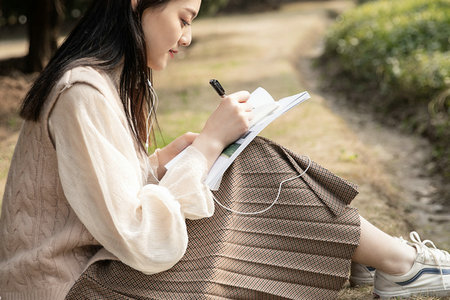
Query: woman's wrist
[{"x": 209, "y": 147}]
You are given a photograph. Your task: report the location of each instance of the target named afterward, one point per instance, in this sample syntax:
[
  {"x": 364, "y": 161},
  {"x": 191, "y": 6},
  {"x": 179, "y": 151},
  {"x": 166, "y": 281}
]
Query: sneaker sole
[
  {"x": 407, "y": 294},
  {"x": 360, "y": 281}
]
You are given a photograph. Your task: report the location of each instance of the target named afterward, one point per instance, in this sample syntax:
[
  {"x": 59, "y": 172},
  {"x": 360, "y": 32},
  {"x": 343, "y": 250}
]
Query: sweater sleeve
[{"x": 142, "y": 224}]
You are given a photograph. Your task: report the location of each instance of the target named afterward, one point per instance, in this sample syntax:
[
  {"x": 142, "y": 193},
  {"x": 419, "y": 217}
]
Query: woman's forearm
[{"x": 209, "y": 147}]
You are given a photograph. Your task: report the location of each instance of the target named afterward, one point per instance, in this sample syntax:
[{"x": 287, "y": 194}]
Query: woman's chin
[{"x": 157, "y": 66}]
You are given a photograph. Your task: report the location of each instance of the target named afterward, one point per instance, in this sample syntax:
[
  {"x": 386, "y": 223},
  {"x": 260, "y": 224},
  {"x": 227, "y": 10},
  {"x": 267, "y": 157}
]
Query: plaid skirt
[{"x": 301, "y": 248}]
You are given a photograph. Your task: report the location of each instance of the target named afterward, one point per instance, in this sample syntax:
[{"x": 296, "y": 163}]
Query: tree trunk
[{"x": 43, "y": 29}]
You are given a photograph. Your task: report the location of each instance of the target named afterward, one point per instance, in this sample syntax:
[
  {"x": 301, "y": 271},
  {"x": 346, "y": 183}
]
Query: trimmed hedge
[{"x": 399, "y": 51}]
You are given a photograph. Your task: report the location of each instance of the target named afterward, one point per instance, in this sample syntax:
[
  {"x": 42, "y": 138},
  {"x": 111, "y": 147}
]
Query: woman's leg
[{"x": 382, "y": 251}]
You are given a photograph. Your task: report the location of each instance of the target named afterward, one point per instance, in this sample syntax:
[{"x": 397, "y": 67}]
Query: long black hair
[{"x": 109, "y": 34}]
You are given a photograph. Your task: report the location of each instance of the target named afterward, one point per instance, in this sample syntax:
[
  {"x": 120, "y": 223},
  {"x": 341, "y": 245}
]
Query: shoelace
[{"x": 436, "y": 253}]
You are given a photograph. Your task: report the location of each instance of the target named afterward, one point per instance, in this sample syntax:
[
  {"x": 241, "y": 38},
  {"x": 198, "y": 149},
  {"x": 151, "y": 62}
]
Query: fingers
[
  {"x": 239, "y": 97},
  {"x": 189, "y": 137},
  {"x": 247, "y": 107},
  {"x": 249, "y": 116},
  {"x": 230, "y": 120},
  {"x": 238, "y": 101}
]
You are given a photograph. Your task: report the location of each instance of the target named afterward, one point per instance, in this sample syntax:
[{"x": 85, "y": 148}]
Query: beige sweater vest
[{"x": 43, "y": 245}]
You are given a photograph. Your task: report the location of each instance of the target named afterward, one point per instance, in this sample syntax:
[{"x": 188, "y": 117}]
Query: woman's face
[{"x": 167, "y": 28}]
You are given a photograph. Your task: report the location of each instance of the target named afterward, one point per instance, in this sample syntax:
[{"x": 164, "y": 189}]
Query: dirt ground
[{"x": 275, "y": 50}]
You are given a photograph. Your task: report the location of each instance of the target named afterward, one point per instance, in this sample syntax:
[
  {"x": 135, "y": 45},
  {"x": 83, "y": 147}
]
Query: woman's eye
[{"x": 185, "y": 23}]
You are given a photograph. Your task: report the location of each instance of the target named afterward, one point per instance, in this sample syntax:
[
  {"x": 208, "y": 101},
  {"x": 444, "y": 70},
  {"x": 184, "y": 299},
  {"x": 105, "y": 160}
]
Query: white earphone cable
[
  {"x": 149, "y": 122},
  {"x": 274, "y": 201}
]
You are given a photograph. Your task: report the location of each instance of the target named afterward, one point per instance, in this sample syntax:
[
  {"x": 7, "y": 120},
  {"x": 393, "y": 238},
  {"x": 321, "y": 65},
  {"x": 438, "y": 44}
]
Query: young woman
[{"x": 81, "y": 189}]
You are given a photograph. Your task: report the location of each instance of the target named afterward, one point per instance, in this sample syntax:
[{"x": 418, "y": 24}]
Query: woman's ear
[{"x": 134, "y": 4}]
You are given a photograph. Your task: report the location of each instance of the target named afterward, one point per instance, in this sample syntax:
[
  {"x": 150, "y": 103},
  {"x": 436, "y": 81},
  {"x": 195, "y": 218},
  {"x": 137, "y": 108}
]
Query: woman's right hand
[{"x": 226, "y": 124}]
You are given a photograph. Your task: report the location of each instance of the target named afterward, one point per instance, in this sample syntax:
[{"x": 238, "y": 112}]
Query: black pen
[{"x": 217, "y": 87}]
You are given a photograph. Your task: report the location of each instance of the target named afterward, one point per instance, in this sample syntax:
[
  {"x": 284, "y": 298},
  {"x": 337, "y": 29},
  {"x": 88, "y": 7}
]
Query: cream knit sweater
[{"x": 79, "y": 190}]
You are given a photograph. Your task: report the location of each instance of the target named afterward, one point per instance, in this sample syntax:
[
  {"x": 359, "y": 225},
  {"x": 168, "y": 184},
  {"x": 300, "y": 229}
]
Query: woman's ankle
[{"x": 401, "y": 263}]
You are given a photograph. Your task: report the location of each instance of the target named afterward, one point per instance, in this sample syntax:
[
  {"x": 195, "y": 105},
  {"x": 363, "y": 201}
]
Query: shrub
[{"x": 399, "y": 50}]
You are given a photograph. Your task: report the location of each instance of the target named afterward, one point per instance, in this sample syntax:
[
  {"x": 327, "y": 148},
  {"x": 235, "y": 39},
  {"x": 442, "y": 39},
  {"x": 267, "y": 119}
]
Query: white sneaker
[
  {"x": 361, "y": 275},
  {"x": 429, "y": 275}
]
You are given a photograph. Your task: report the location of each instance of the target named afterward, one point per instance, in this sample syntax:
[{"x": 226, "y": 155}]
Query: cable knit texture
[{"x": 55, "y": 223}]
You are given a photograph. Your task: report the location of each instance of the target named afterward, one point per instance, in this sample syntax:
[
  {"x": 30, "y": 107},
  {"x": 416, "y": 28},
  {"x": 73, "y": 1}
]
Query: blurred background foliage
[
  {"x": 392, "y": 55},
  {"x": 395, "y": 57},
  {"x": 13, "y": 12},
  {"x": 44, "y": 20}
]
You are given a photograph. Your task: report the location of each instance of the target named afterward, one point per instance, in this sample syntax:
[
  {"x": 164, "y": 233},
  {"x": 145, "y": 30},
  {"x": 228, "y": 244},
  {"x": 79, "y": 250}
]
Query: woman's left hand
[{"x": 167, "y": 153}]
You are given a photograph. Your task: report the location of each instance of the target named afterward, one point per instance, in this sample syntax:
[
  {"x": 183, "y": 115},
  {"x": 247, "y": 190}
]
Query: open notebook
[{"x": 265, "y": 110}]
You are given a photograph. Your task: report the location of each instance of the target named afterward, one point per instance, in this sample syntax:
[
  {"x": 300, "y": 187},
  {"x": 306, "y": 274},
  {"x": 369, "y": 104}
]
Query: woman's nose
[{"x": 186, "y": 38}]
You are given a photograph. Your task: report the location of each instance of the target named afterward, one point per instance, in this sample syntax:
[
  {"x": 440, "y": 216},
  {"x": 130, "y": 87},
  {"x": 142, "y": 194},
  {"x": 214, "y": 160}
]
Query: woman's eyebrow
[{"x": 193, "y": 12}]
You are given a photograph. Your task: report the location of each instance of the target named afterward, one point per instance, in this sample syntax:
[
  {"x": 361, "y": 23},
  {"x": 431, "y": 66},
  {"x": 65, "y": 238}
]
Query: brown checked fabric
[{"x": 299, "y": 249}]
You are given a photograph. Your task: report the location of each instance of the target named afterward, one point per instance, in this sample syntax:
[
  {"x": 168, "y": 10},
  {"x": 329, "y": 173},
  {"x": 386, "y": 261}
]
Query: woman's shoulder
[
  {"x": 84, "y": 86},
  {"x": 86, "y": 75},
  {"x": 82, "y": 91}
]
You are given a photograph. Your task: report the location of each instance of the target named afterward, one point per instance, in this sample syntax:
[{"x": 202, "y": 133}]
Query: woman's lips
[{"x": 172, "y": 53}]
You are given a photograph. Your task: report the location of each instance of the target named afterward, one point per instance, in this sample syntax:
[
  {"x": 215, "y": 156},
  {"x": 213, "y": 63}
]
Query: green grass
[
  {"x": 396, "y": 55},
  {"x": 176, "y": 124}
]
